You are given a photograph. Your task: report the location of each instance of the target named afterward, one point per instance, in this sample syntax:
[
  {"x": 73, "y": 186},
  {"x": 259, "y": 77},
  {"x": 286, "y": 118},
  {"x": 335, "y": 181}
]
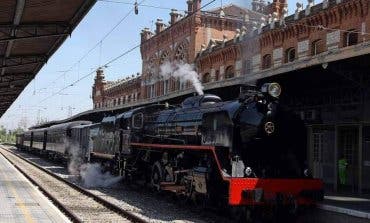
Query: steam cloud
[
  {"x": 92, "y": 174},
  {"x": 183, "y": 71}
]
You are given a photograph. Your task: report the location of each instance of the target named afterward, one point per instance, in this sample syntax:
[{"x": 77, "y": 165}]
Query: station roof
[{"x": 30, "y": 32}]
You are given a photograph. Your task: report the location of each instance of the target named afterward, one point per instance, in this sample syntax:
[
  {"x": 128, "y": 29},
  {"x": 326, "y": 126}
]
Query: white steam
[
  {"x": 184, "y": 72},
  {"x": 92, "y": 174},
  {"x": 75, "y": 159}
]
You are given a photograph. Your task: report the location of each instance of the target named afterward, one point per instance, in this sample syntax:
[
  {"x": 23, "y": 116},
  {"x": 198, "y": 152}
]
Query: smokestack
[
  {"x": 190, "y": 6},
  {"x": 160, "y": 26},
  {"x": 174, "y": 16},
  {"x": 197, "y": 5},
  {"x": 255, "y": 5},
  {"x": 146, "y": 34},
  {"x": 276, "y": 6}
]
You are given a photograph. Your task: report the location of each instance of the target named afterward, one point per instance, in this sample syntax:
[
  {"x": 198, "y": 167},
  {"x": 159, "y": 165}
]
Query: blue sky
[{"x": 103, "y": 16}]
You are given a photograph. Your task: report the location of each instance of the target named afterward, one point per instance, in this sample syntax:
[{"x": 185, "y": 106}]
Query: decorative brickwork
[{"x": 233, "y": 45}]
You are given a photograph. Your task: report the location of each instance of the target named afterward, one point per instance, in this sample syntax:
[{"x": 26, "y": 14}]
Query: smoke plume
[
  {"x": 75, "y": 159},
  {"x": 184, "y": 72},
  {"x": 92, "y": 174}
]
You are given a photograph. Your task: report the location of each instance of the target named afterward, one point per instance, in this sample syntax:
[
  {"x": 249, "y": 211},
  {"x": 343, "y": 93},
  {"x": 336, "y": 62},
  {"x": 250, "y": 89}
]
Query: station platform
[
  {"x": 347, "y": 204},
  {"x": 21, "y": 201}
]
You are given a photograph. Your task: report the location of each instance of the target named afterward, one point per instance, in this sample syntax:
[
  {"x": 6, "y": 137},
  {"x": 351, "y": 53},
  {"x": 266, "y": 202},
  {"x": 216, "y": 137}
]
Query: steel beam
[
  {"x": 15, "y": 77},
  {"x": 33, "y": 26},
  {"x": 26, "y": 31},
  {"x": 16, "y": 20},
  {"x": 20, "y": 58},
  {"x": 21, "y": 64}
]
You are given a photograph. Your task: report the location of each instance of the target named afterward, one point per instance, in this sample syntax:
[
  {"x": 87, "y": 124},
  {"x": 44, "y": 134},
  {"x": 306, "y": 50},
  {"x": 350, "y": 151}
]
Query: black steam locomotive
[{"x": 248, "y": 152}]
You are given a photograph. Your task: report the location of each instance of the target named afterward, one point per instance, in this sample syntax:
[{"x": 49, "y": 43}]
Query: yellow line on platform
[{"x": 26, "y": 212}]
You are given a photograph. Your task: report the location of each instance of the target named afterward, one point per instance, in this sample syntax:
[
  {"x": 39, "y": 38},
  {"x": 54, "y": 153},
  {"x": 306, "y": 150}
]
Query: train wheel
[{"x": 156, "y": 176}]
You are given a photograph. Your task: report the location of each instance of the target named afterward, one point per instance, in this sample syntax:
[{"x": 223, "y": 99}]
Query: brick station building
[
  {"x": 180, "y": 41},
  {"x": 320, "y": 55},
  {"x": 110, "y": 94}
]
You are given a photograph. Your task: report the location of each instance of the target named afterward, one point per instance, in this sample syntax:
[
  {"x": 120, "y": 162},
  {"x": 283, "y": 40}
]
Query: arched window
[
  {"x": 248, "y": 66},
  {"x": 290, "y": 55},
  {"x": 206, "y": 78},
  {"x": 317, "y": 47},
  {"x": 229, "y": 73},
  {"x": 266, "y": 61},
  {"x": 151, "y": 63},
  {"x": 164, "y": 57},
  {"x": 350, "y": 38},
  {"x": 181, "y": 52},
  {"x": 217, "y": 75}
]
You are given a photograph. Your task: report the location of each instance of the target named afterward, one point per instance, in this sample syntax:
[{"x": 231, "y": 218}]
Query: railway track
[{"x": 78, "y": 204}]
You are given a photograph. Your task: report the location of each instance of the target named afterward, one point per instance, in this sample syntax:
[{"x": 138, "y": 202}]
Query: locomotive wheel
[{"x": 156, "y": 176}]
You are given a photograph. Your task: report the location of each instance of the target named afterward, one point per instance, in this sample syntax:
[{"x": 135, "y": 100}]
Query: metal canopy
[{"x": 30, "y": 32}]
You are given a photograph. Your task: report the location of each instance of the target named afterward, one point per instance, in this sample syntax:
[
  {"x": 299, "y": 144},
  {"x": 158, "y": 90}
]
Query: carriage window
[{"x": 137, "y": 121}]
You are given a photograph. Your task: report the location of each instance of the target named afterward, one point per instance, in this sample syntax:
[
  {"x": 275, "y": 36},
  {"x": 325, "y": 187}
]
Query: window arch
[
  {"x": 317, "y": 47},
  {"x": 151, "y": 62},
  {"x": 350, "y": 38},
  {"x": 164, "y": 57},
  {"x": 217, "y": 75},
  {"x": 248, "y": 66},
  {"x": 181, "y": 52},
  {"x": 266, "y": 61},
  {"x": 206, "y": 78},
  {"x": 229, "y": 73},
  {"x": 290, "y": 55}
]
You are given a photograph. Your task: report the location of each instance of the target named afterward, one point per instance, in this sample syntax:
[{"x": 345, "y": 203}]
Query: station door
[
  {"x": 348, "y": 146},
  {"x": 323, "y": 148}
]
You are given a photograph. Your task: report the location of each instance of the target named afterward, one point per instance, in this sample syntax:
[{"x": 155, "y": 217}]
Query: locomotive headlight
[
  {"x": 248, "y": 171},
  {"x": 273, "y": 89}
]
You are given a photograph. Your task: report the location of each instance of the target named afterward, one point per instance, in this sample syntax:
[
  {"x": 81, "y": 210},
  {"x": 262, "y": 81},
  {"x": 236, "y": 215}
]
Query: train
[{"x": 249, "y": 153}]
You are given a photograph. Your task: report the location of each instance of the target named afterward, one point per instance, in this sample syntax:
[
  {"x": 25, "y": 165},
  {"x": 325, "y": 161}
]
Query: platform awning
[{"x": 30, "y": 32}]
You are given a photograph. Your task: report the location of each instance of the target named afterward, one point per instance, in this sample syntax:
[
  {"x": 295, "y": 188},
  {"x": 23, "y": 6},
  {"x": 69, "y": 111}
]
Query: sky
[{"x": 66, "y": 66}]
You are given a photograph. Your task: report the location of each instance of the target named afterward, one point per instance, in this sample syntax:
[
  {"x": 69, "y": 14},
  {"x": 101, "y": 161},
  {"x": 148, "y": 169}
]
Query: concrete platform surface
[
  {"x": 348, "y": 204},
  {"x": 21, "y": 201}
]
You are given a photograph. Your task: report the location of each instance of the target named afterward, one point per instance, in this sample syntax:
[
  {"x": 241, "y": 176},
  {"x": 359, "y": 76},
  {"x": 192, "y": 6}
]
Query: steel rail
[{"x": 130, "y": 216}]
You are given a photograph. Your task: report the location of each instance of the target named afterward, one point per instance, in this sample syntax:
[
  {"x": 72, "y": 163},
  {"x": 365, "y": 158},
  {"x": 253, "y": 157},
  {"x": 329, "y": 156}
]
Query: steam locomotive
[{"x": 246, "y": 153}]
